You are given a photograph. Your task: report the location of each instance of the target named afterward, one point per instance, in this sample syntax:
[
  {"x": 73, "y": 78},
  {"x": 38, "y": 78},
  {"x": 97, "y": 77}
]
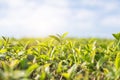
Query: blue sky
[{"x": 40, "y": 18}]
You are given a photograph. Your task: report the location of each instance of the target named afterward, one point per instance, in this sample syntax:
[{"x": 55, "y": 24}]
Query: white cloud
[
  {"x": 85, "y": 19},
  {"x": 111, "y": 21},
  {"x": 36, "y": 19},
  {"x": 58, "y": 3},
  {"x": 88, "y": 2},
  {"x": 109, "y": 7},
  {"x": 84, "y": 14},
  {"x": 44, "y": 17},
  {"x": 106, "y": 6}
]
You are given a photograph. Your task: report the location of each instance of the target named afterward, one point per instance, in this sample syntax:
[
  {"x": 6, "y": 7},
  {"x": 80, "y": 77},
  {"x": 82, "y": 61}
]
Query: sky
[{"x": 41, "y": 18}]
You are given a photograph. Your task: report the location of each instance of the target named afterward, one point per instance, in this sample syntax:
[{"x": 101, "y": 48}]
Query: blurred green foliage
[{"x": 60, "y": 58}]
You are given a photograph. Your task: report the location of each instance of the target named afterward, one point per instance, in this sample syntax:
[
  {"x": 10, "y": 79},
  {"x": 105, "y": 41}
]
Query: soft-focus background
[{"x": 40, "y": 18}]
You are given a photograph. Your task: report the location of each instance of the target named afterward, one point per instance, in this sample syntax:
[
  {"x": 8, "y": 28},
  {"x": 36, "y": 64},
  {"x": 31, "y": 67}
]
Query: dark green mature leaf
[
  {"x": 117, "y": 36},
  {"x": 4, "y": 38}
]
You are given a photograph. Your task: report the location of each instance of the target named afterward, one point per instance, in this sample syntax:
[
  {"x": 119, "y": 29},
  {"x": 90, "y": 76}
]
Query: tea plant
[{"x": 60, "y": 58}]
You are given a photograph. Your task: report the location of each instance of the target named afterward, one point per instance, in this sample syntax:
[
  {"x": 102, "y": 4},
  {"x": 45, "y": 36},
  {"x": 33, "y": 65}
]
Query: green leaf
[
  {"x": 55, "y": 37},
  {"x": 64, "y": 35},
  {"x": 4, "y": 38},
  {"x": 43, "y": 76},
  {"x": 30, "y": 57},
  {"x": 31, "y": 69},
  {"x": 70, "y": 72},
  {"x": 24, "y": 63},
  {"x": 117, "y": 61},
  {"x": 100, "y": 62},
  {"x": 46, "y": 66},
  {"x": 6, "y": 67},
  {"x": 66, "y": 75},
  {"x": 116, "y": 36},
  {"x": 59, "y": 69},
  {"x": 3, "y": 50},
  {"x": 72, "y": 69}
]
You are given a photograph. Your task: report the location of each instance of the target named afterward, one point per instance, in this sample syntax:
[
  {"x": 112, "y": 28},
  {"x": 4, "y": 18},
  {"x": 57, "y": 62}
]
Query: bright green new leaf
[
  {"x": 64, "y": 35},
  {"x": 117, "y": 61},
  {"x": 31, "y": 69},
  {"x": 55, "y": 37}
]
